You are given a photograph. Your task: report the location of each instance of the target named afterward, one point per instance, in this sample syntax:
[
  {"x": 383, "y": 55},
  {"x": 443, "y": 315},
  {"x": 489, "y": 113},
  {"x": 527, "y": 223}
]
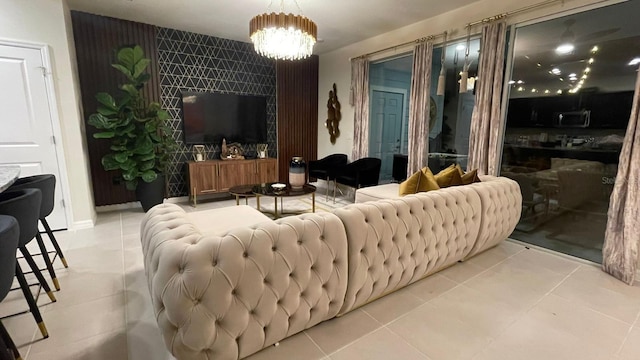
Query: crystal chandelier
[{"x": 283, "y": 36}]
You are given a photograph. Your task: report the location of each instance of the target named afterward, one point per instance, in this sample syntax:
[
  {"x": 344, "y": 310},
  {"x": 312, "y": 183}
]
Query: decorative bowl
[{"x": 278, "y": 186}]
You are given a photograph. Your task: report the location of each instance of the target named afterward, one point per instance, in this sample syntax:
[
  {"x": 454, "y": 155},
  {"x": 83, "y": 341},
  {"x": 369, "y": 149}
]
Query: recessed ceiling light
[
  {"x": 572, "y": 75},
  {"x": 587, "y": 69},
  {"x": 591, "y": 60},
  {"x": 520, "y": 82},
  {"x": 534, "y": 90},
  {"x": 520, "y": 88},
  {"x": 460, "y": 47},
  {"x": 564, "y": 49},
  {"x": 547, "y": 91},
  {"x": 595, "y": 49},
  {"x": 511, "y": 82},
  {"x": 559, "y": 92},
  {"x": 556, "y": 71},
  {"x": 635, "y": 61}
]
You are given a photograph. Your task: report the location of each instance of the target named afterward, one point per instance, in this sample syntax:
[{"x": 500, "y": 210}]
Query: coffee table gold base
[{"x": 308, "y": 190}]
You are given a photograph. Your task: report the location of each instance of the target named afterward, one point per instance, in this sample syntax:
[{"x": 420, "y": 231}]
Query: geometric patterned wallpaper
[{"x": 196, "y": 62}]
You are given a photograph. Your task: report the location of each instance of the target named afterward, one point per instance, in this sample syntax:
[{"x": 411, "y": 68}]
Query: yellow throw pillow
[
  {"x": 427, "y": 181},
  {"x": 449, "y": 177},
  {"x": 410, "y": 186},
  {"x": 470, "y": 177}
]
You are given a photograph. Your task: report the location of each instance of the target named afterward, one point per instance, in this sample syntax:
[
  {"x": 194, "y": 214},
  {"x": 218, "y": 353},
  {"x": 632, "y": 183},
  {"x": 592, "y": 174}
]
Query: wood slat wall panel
[
  {"x": 297, "y": 89},
  {"x": 96, "y": 40}
]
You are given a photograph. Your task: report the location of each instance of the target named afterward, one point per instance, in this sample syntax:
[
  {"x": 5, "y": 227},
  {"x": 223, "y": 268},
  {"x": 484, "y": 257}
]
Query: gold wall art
[{"x": 333, "y": 115}]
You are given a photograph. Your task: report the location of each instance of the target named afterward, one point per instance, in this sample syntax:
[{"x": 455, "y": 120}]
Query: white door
[
  {"x": 385, "y": 129},
  {"x": 26, "y": 135}
]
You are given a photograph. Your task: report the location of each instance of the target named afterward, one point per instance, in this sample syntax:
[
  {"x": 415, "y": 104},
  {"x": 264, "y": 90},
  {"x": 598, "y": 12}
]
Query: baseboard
[
  {"x": 118, "y": 207},
  {"x": 177, "y": 200},
  {"x": 84, "y": 224},
  {"x": 136, "y": 204}
]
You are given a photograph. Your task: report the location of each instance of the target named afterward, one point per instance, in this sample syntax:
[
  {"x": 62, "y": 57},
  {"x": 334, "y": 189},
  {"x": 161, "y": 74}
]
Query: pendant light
[
  {"x": 443, "y": 70},
  {"x": 465, "y": 67},
  {"x": 283, "y": 36}
]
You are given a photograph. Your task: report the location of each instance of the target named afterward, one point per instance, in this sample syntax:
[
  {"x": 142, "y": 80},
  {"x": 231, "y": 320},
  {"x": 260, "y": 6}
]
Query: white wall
[
  {"x": 335, "y": 66},
  {"x": 48, "y": 22}
]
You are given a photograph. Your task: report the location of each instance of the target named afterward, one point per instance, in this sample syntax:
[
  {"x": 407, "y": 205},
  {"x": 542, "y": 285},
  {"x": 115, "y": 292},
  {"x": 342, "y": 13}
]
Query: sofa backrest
[
  {"x": 395, "y": 242},
  {"x": 228, "y": 296}
]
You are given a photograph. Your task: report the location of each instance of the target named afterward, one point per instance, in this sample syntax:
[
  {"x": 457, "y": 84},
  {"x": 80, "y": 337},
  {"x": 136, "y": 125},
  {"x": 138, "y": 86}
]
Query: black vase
[{"x": 150, "y": 194}]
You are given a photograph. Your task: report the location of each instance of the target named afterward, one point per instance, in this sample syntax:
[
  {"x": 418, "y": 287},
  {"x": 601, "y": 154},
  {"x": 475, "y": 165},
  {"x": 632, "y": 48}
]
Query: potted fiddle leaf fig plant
[{"x": 141, "y": 141}]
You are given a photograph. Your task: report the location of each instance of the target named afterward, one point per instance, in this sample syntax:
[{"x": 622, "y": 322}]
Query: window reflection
[
  {"x": 449, "y": 129},
  {"x": 570, "y": 99},
  {"x": 389, "y": 93}
]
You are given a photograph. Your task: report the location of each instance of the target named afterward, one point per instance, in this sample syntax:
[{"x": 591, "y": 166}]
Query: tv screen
[{"x": 209, "y": 117}]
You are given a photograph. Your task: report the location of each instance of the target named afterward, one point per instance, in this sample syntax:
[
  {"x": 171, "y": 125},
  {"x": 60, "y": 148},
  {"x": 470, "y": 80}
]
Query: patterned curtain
[
  {"x": 359, "y": 99},
  {"x": 485, "y": 121},
  {"x": 620, "y": 252},
  {"x": 419, "y": 107}
]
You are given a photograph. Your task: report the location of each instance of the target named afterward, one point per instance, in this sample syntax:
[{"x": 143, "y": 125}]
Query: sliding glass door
[{"x": 570, "y": 95}]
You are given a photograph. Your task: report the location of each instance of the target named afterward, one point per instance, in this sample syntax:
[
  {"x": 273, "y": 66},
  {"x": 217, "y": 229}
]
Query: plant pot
[{"x": 150, "y": 194}]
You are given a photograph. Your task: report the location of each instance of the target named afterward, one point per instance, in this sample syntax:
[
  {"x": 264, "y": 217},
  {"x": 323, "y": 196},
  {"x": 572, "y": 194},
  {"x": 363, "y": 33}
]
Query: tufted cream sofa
[{"x": 228, "y": 294}]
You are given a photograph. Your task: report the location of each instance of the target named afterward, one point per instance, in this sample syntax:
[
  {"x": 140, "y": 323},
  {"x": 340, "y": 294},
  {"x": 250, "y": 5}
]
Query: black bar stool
[
  {"x": 9, "y": 236},
  {"x": 47, "y": 185},
  {"x": 24, "y": 205}
]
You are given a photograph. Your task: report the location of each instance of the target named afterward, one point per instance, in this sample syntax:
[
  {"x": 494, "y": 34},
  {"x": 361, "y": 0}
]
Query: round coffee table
[
  {"x": 288, "y": 191},
  {"x": 245, "y": 191}
]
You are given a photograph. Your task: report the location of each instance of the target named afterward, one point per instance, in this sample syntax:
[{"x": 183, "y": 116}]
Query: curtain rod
[
  {"x": 514, "y": 12},
  {"x": 430, "y": 37}
]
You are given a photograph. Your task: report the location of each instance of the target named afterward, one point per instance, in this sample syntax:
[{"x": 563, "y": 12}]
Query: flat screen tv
[{"x": 209, "y": 117}]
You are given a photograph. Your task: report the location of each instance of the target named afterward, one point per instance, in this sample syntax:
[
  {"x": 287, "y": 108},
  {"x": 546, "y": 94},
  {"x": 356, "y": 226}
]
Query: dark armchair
[
  {"x": 319, "y": 169},
  {"x": 360, "y": 173}
]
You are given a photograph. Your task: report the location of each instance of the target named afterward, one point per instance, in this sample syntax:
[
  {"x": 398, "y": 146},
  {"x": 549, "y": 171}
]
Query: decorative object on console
[
  {"x": 297, "y": 172},
  {"x": 261, "y": 150},
  {"x": 199, "y": 153},
  {"x": 141, "y": 141},
  {"x": 333, "y": 114},
  {"x": 232, "y": 151},
  {"x": 283, "y": 36}
]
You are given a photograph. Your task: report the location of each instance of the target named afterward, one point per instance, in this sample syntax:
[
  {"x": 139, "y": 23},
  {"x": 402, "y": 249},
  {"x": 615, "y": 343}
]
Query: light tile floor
[{"x": 507, "y": 303}]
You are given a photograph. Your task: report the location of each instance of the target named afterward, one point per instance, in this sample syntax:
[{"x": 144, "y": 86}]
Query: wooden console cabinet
[{"x": 217, "y": 176}]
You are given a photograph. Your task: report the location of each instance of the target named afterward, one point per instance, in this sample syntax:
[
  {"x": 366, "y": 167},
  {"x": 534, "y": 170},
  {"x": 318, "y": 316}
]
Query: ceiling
[
  {"x": 340, "y": 22},
  {"x": 613, "y": 29}
]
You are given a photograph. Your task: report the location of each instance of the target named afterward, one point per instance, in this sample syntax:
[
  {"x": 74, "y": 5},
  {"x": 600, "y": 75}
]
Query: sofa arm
[
  {"x": 228, "y": 296},
  {"x": 501, "y": 202}
]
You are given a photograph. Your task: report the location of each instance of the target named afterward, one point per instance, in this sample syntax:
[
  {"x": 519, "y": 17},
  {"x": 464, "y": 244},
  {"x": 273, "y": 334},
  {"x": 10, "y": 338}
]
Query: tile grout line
[
  {"x": 364, "y": 335},
  {"x": 458, "y": 284},
  {"x": 314, "y": 343},
  {"x": 626, "y": 337},
  {"x": 525, "y": 312},
  {"x": 124, "y": 287}
]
